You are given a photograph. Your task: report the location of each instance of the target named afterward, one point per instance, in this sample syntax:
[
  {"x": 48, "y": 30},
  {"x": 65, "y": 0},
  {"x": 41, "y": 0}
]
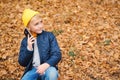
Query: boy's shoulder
[
  {"x": 48, "y": 33},
  {"x": 24, "y": 39}
]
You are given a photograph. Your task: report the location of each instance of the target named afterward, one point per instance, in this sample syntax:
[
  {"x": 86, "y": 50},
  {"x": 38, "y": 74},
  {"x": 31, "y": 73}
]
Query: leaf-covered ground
[{"x": 88, "y": 33}]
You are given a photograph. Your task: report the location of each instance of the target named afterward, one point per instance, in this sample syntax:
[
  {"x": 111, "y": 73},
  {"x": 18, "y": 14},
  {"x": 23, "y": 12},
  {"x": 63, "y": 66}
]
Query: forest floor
[{"x": 88, "y": 33}]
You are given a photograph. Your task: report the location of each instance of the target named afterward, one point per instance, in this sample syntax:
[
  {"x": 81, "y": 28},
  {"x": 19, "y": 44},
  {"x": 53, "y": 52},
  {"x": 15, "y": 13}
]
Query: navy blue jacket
[{"x": 48, "y": 49}]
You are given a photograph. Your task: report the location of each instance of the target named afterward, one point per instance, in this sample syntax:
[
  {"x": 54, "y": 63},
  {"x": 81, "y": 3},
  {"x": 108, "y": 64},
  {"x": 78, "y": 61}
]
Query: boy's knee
[{"x": 51, "y": 72}]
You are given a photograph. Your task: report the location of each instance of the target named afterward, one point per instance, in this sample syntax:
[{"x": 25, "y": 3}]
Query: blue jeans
[{"x": 50, "y": 74}]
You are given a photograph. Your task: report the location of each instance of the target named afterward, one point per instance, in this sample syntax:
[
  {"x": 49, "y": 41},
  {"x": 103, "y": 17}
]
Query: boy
[{"x": 40, "y": 52}]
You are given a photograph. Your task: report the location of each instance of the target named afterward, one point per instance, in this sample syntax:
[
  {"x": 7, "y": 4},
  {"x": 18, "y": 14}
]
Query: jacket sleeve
[
  {"x": 55, "y": 54},
  {"x": 24, "y": 54}
]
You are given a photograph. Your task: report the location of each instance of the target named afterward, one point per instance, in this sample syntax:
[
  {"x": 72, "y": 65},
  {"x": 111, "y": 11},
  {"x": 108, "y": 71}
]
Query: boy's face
[{"x": 36, "y": 25}]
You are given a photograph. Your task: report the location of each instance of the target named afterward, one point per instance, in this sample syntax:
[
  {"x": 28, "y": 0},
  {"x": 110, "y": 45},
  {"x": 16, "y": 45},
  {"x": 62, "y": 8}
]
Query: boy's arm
[
  {"x": 24, "y": 55},
  {"x": 55, "y": 54}
]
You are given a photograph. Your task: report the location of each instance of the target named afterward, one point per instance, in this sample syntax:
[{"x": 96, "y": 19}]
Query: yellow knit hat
[{"x": 27, "y": 15}]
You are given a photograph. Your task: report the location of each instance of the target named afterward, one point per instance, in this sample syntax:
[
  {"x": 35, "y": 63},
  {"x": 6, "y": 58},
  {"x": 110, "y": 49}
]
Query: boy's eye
[
  {"x": 37, "y": 23},
  {"x": 41, "y": 21}
]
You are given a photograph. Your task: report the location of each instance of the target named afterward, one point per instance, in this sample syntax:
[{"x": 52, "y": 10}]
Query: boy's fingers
[
  {"x": 32, "y": 39},
  {"x": 28, "y": 36},
  {"x": 38, "y": 71},
  {"x": 32, "y": 42}
]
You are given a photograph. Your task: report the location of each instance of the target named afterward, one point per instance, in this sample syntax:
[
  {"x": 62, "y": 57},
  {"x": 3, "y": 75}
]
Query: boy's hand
[
  {"x": 41, "y": 69},
  {"x": 30, "y": 41}
]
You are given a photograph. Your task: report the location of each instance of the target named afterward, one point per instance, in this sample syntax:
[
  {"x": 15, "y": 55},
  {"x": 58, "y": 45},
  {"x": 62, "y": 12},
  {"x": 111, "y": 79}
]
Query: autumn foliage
[{"x": 88, "y": 33}]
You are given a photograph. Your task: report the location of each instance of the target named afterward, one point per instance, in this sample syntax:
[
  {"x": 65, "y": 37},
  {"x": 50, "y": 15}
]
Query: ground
[{"x": 88, "y": 33}]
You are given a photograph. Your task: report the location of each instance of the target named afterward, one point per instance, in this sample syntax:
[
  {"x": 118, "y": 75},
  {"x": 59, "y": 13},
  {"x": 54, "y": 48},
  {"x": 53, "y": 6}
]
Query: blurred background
[{"x": 88, "y": 33}]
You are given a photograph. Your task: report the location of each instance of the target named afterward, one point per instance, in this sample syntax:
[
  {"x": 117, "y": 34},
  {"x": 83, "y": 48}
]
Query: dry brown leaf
[{"x": 87, "y": 27}]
